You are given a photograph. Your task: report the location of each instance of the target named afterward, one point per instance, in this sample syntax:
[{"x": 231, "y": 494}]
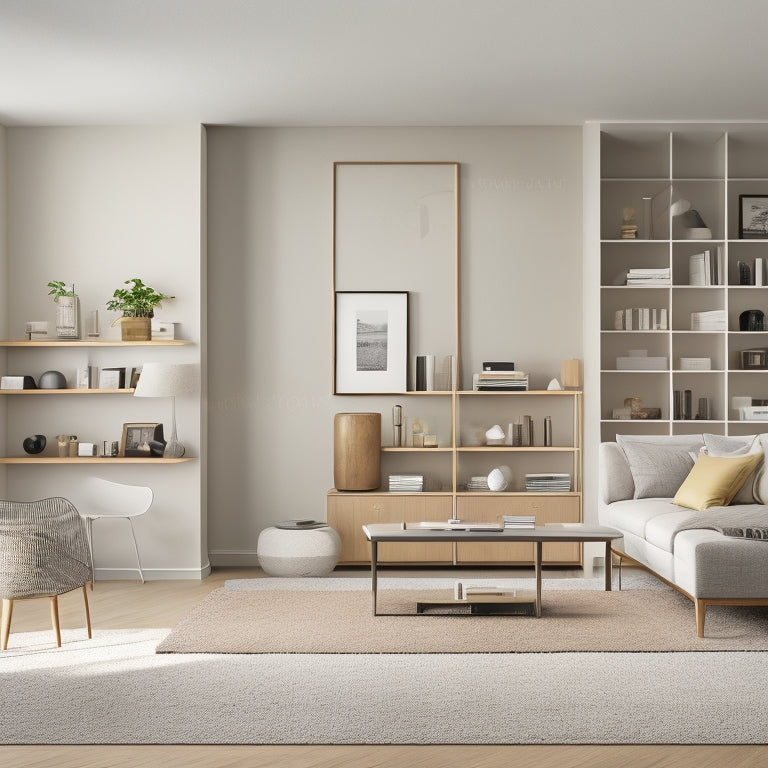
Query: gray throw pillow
[{"x": 659, "y": 466}]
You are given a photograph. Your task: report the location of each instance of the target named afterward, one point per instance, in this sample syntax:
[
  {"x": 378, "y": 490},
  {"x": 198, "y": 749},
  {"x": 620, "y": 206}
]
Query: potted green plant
[
  {"x": 67, "y": 309},
  {"x": 137, "y": 303}
]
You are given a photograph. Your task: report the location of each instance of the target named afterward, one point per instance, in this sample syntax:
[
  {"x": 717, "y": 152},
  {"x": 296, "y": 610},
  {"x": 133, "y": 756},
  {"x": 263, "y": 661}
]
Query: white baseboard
[{"x": 153, "y": 574}]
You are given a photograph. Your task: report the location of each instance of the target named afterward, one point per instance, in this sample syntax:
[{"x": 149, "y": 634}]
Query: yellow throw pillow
[{"x": 715, "y": 480}]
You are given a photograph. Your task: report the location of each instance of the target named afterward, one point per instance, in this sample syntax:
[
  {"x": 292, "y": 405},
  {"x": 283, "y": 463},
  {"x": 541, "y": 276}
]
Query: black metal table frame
[{"x": 386, "y": 533}]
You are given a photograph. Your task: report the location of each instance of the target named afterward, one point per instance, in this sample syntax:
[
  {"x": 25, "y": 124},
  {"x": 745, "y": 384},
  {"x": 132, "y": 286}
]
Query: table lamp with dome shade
[{"x": 167, "y": 380}]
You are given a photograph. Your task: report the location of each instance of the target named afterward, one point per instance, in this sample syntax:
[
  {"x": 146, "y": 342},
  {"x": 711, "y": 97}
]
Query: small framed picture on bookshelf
[
  {"x": 753, "y": 217},
  {"x": 370, "y": 342},
  {"x": 142, "y": 440}
]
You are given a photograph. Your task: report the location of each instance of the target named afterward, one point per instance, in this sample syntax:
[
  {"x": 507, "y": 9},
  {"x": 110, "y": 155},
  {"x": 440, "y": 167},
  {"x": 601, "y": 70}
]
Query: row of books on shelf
[
  {"x": 539, "y": 482},
  {"x": 435, "y": 374},
  {"x": 640, "y": 319},
  {"x": 707, "y": 267}
]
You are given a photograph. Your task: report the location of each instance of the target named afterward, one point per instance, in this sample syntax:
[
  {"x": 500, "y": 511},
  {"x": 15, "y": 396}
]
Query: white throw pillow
[{"x": 738, "y": 445}]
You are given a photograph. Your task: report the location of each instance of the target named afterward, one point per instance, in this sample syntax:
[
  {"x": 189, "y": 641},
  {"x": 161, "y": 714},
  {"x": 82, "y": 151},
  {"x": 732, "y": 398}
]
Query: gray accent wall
[{"x": 270, "y": 216}]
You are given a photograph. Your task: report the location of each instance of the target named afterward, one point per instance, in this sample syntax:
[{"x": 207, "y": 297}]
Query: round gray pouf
[{"x": 292, "y": 552}]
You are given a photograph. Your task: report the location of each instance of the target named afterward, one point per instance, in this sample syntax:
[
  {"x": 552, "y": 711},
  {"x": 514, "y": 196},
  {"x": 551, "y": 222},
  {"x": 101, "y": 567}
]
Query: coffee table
[{"x": 399, "y": 533}]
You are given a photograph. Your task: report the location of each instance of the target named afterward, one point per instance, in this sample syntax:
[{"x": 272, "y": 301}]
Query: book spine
[
  {"x": 421, "y": 373},
  {"x": 429, "y": 373}
]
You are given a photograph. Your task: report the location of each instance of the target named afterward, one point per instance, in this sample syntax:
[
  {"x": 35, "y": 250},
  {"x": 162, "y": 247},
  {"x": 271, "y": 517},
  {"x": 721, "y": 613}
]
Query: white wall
[
  {"x": 270, "y": 203},
  {"x": 97, "y": 206}
]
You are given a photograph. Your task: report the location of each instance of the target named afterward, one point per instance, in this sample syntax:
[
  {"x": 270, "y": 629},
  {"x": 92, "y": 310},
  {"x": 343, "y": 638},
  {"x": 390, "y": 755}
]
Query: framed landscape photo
[
  {"x": 144, "y": 439},
  {"x": 370, "y": 342},
  {"x": 753, "y": 217}
]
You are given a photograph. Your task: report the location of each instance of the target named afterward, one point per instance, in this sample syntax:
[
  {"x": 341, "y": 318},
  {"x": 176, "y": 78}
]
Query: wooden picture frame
[
  {"x": 371, "y": 342},
  {"x": 753, "y": 217},
  {"x": 142, "y": 440}
]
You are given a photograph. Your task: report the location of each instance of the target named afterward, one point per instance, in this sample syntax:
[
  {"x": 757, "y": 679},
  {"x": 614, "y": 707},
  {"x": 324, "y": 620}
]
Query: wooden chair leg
[
  {"x": 55, "y": 619},
  {"x": 87, "y": 611},
  {"x": 6, "y": 622}
]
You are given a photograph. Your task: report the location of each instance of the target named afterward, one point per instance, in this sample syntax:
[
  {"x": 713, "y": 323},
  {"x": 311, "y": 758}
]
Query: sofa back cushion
[{"x": 658, "y": 463}]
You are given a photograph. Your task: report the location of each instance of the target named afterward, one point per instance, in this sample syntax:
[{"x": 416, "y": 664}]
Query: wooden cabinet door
[
  {"x": 348, "y": 513},
  {"x": 547, "y": 508}
]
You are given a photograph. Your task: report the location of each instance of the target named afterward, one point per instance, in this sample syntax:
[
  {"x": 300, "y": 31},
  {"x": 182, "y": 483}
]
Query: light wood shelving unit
[
  {"x": 17, "y": 345},
  {"x": 459, "y": 417}
]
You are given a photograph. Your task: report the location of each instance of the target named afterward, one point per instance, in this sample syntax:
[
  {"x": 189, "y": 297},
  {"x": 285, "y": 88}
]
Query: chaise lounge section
[{"x": 699, "y": 524}]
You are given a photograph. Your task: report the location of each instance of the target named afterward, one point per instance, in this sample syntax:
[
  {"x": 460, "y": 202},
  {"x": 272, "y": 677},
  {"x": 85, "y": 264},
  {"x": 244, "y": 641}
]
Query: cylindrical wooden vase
[{"x": 356, "y": 451}]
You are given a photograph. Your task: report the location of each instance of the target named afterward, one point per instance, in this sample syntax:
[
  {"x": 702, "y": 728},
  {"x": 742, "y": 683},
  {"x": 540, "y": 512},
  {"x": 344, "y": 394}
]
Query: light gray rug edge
[{"x": 132, "y": 696}]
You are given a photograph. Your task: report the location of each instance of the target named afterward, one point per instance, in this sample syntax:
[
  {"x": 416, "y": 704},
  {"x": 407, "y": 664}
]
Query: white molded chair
[{"x": 103, "y": 498}]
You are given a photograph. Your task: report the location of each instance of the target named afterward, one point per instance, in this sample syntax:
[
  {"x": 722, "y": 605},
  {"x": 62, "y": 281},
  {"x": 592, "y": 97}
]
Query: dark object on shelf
[
  {"x": 646, "y": 413},
  {"x": 157, "y": 447},
  {"x": 500, "y": 366},
  {"x": 745, "y": 273},
  {"x": 751, "y": 320},
  {"x": 52, "y": 380},
  {"x": 34, "y": 444},
  {"x": 754, "y": 359}
]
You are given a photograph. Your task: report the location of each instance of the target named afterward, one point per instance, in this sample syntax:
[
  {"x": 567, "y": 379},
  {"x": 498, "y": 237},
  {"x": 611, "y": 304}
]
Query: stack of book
[
  {"x": 406, "y": 483},
  {"x": 465, "y": 590},
  {"x": 713, "y": 320},
  {"x": 519, "y": 521},
  {"x": 651, "y": 276},
  {"x": 543, "y": 482},
  {"x": 500, "y": 381},
  {"x": 478, "y": 483}
]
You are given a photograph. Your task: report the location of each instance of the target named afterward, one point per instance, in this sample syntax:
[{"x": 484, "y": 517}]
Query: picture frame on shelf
[
  {"x": 753, "y": 217},
  {"x": 142, "y": 440},
  {"x": 370, "y": 347}
]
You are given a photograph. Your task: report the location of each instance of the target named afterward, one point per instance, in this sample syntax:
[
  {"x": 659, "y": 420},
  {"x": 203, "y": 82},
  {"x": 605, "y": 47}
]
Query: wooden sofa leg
[
  {"x": 701, "y": 609},
  {"x": 6, "y": 622}
]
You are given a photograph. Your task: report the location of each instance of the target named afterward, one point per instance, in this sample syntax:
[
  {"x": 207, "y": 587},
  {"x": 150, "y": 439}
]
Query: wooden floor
[{"x": 130, "y": 604}]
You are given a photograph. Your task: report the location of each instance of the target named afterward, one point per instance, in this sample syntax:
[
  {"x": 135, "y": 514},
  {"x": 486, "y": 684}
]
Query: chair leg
[
  {"x": 89, "y": 535},
  {"x": 6, "y": 622},
  {"x": 136, "y": 547},
  {"x": 87, "y": 610},
  {"x": 55, "y": 619}
]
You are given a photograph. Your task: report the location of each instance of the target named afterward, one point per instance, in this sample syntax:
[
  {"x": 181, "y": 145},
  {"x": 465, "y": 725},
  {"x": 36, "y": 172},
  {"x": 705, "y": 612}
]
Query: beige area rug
[{"x": 288, "y": 621}]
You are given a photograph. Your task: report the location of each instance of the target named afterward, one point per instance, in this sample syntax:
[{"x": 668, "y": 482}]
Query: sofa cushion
[
  {"x": 634, "y": 516},
  {"x": 739, "y": 445},
  {"x": 714, "y": 480},
  {"x": 661, "y": 529},
  {"x": 659, "y": 466}
]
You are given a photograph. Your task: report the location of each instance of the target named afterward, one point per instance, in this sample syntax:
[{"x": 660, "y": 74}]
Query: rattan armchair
[{"x": 43, "y": 553}]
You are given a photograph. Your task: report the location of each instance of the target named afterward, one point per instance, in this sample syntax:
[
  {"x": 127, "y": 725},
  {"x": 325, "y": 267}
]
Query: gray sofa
[{"x": 715, "y": 556}]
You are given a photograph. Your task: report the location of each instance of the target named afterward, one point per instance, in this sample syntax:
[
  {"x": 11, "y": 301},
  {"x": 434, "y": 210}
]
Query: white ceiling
[{"x": 381, "y": 62}]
